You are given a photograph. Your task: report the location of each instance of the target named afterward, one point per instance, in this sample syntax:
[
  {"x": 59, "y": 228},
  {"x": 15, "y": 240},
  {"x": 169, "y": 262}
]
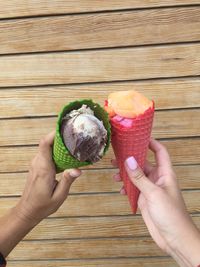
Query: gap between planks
[
  {"x": 96, "y": 181},
  {"x": 108, "y": 204},
  {"x": 112, "y": 48},
  {"x": 98, "y": 10}
]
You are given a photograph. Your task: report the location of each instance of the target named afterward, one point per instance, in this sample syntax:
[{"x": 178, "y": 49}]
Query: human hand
[
  {"x": 162, "y": 207},
  {"x": 43, "y": 194}
]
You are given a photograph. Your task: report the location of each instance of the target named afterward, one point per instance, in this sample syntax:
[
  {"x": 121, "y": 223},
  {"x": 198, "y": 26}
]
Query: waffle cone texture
[
  {"x": 61, "y": 155},
  {"x": 133, "y": 141}
]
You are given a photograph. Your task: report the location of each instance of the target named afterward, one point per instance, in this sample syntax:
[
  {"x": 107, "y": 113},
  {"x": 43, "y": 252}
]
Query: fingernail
[
  {"x": 123, "y": 191},
  {"x": 74, "y": 173},
  {"x": 131, "y": 163},
  {"x": 117, "y": 177}
]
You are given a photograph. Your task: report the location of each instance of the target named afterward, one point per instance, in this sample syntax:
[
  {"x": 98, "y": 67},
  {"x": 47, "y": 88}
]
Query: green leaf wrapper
[{"x": 61, "y": 155}]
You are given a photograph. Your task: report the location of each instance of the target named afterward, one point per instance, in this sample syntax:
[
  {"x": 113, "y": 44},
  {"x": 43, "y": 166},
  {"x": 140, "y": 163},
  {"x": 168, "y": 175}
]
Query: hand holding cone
[{"x": 131, "y": 124}]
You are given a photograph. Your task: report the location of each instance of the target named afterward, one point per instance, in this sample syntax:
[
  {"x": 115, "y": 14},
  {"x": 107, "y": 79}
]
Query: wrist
[
  {"x": 21, "y": 217},
  {"x": 13, "y": 227}
]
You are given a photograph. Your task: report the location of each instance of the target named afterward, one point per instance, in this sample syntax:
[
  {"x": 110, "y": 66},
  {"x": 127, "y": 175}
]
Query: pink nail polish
[
  {"x": 131, "y": 163},
  {"x": 117, "y": 177},
  {"x": 122, "y": 191}
]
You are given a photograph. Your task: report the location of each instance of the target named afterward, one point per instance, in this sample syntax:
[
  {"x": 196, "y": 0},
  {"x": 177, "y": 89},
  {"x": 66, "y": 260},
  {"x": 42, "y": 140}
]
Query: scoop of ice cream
[
  {"x": 127, "y": 104},
  {"x": 84, "y": 135}
]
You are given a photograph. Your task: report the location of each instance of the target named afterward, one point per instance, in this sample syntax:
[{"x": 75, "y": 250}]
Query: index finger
[
  {"x": 46, "y": 143},
  {"x": 161, "y": 154}
]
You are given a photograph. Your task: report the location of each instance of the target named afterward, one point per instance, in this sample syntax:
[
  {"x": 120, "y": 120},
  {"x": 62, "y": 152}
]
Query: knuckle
[
  {"x": 156, "y": 194},
  {"x": 43, "y": 170},
  {"x": 138, "y": 175},
  {"x": 43, "y": 142},
  {"x": 39, "y": 167}
]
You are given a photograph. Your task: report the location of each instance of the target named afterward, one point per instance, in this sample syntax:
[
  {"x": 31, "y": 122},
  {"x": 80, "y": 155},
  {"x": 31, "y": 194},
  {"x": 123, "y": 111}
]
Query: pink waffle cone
[{"x": 132, "y": 141}]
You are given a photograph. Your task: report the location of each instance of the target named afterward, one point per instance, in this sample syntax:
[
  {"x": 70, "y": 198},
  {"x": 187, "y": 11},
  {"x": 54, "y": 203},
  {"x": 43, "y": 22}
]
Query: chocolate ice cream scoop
[{"x": 84, "y": 135}]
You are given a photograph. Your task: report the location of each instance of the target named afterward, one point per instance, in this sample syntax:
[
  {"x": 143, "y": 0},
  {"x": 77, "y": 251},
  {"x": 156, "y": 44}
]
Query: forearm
[
  {"x": 12, "y": 229},
  {"x": 186, "y": 251}
]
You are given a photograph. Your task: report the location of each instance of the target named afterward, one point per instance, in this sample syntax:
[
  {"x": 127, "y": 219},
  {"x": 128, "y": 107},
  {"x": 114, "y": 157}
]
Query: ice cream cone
[
  {"x": 61, "y": 155},
  {"x": 132, "y": 141}
]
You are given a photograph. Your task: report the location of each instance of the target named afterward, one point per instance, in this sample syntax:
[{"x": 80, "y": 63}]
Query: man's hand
[{"x": 43, "y": 194}]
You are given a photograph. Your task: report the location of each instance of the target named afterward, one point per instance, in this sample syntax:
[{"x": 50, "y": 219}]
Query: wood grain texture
[
  {"x": 39, "y": 84},
  {"x": 102, "y": 204},
  {"x": 14, "y": 8},
  {"x": 100, "y": 30},
  {"x": 145, "y": 262},
  {"x": 177, "y": 149},
  {"x": 99, "y": 66},
  {"x": 167, "y": 124},
  {"x": 181, "y": 93},
  {"x": 90, "y": 248},
  {"x": 94, "y": 227},
  {"x": 97, "y": 181}
]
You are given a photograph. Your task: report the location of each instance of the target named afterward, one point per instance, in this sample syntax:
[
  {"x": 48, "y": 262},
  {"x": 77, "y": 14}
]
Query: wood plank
[
  {"x": 177, "y": 149},
  {"x": 100, "y": 30},
  {"x": 102, "y": 204},
  {"x": 94, "y": 227},
  {"x": 181, "y": 93},
  {"x": 188, "y": 180},
  {"x": 144, "y": 262},
  {"x": 99, "y": 66},
  {"x": 167, "y": 124},
  {"x": 90, "y": 248},
  {"x": 13, "y": 8},
  {"x": 182, "y": 123},
  {"x": 97, "y": 181}
]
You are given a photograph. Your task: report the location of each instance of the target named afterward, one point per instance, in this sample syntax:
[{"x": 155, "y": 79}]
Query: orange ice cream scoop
[{"x": 127, "y": 104}]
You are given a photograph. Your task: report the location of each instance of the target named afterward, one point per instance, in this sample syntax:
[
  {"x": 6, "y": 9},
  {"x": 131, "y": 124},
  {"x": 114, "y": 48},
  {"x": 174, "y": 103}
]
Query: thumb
[
  {"x": 62, "y": 189},
  {"x": 138, "y": 178}
]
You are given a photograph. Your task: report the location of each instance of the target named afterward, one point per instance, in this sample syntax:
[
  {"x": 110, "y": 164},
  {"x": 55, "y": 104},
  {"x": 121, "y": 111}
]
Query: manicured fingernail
[
  {"x": 75, "y": 173},
  {"x": 117, "y": 177},
  {"x": 123, "y": 191},
  {"x": 131, "y": 163}
]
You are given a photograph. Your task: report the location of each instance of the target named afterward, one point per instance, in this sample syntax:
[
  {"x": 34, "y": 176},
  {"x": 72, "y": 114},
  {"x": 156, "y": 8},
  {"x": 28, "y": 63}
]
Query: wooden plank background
[{"x": 53, "y": 52}]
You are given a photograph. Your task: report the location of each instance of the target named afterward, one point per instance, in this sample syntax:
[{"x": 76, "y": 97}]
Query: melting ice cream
[{"x": 84, "y": 134}]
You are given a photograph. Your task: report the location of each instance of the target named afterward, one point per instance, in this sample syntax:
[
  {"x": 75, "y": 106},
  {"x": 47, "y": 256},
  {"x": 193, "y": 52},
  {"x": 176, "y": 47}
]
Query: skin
[
  {"x": 163, "y": 208},
  {"x": 42, "y": 196}
]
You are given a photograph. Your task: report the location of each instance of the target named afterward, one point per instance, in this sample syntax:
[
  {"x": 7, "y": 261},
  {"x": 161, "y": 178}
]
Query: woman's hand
[
  {"x": 162, "y": 207},
  {"x": 43, "y": 194}
]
